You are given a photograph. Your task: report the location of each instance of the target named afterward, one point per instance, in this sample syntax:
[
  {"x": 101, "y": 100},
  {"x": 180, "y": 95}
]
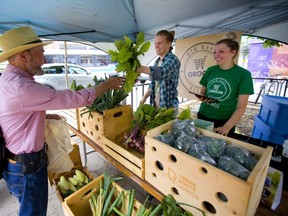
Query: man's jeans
[{"x": 30, "y": 189}]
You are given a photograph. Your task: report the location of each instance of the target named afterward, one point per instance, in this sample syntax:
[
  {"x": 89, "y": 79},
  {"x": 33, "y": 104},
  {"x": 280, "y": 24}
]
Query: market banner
[{"x": 196, "y": 55}]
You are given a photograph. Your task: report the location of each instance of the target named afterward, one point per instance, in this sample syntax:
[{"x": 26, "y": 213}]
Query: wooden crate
[
  {"x": 75, "y": 157},
  {"x": 200, "y": 184},
  {"x": 78, "y": 202},
  {"x": 131, "y": 159},
  {"x": 98, "y": 125},
  {"x": 71, "y": 117}
]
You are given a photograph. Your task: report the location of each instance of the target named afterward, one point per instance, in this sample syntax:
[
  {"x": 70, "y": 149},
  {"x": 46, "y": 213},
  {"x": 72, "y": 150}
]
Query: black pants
[{"x": 217, "y": 123}]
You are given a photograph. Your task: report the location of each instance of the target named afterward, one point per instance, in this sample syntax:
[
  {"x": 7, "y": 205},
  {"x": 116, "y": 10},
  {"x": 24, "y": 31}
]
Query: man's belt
[{"x": 21, "y": 157}]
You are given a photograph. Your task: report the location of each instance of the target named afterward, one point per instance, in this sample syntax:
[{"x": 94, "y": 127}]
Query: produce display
[
  {"x": 69, "y": 185},
  {"x": 127, "y": 57},
  {"x": 169, "y": 207},
  {"x": 231, "y": 158},
  {"x": 108, "y": 100},
  {"x": 103, "y": 202},
  {"x": 145, "y": 118}
]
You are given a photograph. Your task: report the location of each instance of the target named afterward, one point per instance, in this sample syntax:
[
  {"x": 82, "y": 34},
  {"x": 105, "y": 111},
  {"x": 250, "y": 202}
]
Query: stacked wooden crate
[{"x": 200, "y": 184}]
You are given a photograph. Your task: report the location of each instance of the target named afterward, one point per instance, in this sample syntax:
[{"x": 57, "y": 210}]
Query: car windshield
[
  {"x": 60, "y": 69},
  {"x": 76, "y": 70}
]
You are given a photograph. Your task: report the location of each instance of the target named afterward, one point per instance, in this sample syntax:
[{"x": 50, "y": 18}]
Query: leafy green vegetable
[
  {"x": 241, "y": 155},
  {"x": 185, "y": 114},
  {"x": 127, "y": 56},
  {"x": 108, "y": 100},
  {"x": 169, "y": 207},
  {"x": 233, "y": 167},
  {"x": 145, "y": 118},
  {"x": 76, "y": 87}
]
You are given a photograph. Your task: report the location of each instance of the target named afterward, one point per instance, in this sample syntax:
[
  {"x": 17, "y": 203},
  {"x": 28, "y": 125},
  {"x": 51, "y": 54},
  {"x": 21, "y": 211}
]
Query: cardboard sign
[
  {"x": 196, "y": 55},
  {"x": 272, "y": 191}
]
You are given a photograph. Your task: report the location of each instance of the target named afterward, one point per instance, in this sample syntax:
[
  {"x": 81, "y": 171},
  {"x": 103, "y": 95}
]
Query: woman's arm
[
  {"x": 147, "y": 94},
  {"x": 235, "y": 118}
]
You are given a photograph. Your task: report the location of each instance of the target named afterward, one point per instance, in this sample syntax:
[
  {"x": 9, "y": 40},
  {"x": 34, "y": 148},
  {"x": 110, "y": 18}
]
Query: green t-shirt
[{"x": 225, "y": 86}]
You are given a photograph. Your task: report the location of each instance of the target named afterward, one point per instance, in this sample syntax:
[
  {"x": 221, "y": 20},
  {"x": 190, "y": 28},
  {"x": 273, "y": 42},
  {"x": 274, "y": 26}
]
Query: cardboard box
[
  {"x": 98, "y": 125},
  {"x": 78, "y": 203},
  {"x": 131, "y": 159},
  {"x": 207, "y": 125},
  {"x": 75, "y": 157},
  {"x": 200, "y": 184}
]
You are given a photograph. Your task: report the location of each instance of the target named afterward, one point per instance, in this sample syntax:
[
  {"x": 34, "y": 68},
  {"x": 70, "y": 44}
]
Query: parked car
[{"x": 55, "y": 77}]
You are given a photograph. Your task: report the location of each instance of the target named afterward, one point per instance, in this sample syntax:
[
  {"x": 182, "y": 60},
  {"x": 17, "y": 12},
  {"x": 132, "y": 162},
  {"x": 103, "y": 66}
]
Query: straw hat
[{"x": 17, "y": 40}]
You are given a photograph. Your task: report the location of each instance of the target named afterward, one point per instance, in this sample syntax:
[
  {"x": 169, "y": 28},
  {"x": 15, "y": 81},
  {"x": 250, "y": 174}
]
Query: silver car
[{"x": 55, "y": 76}]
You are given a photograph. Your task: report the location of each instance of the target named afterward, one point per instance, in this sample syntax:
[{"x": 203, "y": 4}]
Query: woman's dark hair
[{"x": 169, "y": 35}]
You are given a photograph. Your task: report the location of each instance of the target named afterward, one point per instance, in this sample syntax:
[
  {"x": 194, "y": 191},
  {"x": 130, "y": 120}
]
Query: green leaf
[
  {"x": 114, "y": 55},
  {"x": 123, "y": 66},
  {"x": 139, "y": 38},
  {"x": 73, "y": 85},
  {"x": 185, "y": 114},
  {"x": 129, "y": 42},
  {"x": 130, "y": 80},
  {"x": 135, "y": 65},
  {"x": 145, "y": 47},
  {"x": 124, "y": 54},
  {"x": 119, "y": 44}
]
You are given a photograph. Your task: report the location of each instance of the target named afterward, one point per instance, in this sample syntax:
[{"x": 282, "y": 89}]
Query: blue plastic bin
[
  {"x": 264, "y": 132},
  {"x": 274, "y": 112}
]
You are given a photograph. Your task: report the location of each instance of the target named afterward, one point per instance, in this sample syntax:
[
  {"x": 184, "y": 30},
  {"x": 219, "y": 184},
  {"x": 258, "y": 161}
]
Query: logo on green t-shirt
[{"x": 219, "y": 88}]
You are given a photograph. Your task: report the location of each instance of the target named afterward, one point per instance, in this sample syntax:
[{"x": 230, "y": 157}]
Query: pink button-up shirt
[{"x": 23, "y": 105}]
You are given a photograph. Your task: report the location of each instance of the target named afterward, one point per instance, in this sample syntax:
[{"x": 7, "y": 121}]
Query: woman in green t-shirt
[{"x": 229, "y": 84}]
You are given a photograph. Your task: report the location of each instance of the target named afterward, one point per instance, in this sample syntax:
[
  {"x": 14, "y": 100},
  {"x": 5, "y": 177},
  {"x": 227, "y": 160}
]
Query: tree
[{"x": 268, "y": 43}]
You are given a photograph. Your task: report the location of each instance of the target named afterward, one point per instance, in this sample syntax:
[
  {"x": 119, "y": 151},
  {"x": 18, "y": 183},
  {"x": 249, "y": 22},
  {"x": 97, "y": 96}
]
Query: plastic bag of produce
[
  {"x": 233, "y": 167},
  {"x": 241, "y": 155},
  {"x": 202, "y": 155},
  {"x": 184, "y": 127},
  {"x": 214, "y": 147},
  {"x": 166, "y": 138},
  {"x": 184, "y": 142}
]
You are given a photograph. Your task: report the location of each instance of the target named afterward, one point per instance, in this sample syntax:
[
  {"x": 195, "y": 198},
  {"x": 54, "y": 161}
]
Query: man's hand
[
  {"x": 53, "y": 116},
  {"x": 115, "y": 83}
]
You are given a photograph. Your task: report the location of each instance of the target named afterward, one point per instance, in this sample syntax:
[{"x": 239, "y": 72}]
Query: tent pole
[{"x": 66, "y": 66}]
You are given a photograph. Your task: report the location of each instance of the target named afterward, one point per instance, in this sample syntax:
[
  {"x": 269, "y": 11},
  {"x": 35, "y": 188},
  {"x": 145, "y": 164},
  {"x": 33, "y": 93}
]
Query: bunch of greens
[
  {"x": 185, "y": 114},
  {"x": 145, "y": 118},
  {"x": 168, "y": 207},
  {"x": 127, "y": 57},
  {"x": 108, "y": 100}
]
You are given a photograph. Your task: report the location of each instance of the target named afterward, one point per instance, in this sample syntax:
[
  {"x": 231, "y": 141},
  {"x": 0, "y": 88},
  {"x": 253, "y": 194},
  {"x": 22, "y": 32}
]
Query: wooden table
[{"x": 281, "y": 210}]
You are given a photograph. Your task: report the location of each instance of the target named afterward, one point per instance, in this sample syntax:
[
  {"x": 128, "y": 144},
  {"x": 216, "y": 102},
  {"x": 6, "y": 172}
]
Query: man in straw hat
[{"x": 22, "y": 116}]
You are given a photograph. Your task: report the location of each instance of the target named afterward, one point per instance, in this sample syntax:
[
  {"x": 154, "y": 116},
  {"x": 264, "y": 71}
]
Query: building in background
[
  {"x": 267, "y": 62},
  {"x": 80, "y": 54}
]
